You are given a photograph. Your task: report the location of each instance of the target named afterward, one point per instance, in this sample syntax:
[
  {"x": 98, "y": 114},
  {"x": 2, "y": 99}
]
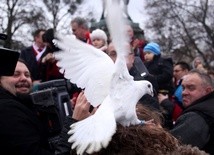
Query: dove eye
[{"x": 149, "y": 86}]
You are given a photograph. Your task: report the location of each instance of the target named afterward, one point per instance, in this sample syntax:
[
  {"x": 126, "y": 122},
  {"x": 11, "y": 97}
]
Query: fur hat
[
  {"x": 153, "y": 48},
  {"x": 98, "y": 33}
]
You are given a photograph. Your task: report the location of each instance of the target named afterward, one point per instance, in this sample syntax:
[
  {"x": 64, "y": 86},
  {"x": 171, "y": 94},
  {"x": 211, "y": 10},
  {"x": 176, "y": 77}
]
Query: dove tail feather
[
  {"x": 93, "y": 133},
  {"x": 117, "y": 31},
  {"x": 119, "y": 37}
]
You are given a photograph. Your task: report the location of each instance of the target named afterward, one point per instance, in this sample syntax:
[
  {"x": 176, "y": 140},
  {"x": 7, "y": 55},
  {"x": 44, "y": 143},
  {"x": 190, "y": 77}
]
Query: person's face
[
  {"x": 130, "y": 32},
  {"x": 129, "y": 58},
  {"x": 197, "y": 62},
  {"x": 78, "y": 31},
  {"x": 193, "y": 89},
  {"x": 20, "y": 82},
  {"x": 178, "y": 72},
  {"x": 98, "y": 43},
  {"x": 111, "y": 52},
  {"x": 148, "y": 56},
  {"x": 38, "y": 39}
]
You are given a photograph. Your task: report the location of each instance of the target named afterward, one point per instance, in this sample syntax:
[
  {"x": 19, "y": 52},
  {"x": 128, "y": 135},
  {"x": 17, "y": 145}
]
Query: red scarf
[{"x": 88, "y": 39}]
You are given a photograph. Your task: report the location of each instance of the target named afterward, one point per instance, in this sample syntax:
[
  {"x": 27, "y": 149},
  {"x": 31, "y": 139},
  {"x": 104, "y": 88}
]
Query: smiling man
[
  {"x": 20, "y": 130},
  {"x": 20, "y": 82},
  {"x": 195, "y": 125}
]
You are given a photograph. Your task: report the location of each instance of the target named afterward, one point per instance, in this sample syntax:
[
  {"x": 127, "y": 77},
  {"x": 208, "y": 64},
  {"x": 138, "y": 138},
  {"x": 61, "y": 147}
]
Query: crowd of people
[{"x": 181, "y": 108}]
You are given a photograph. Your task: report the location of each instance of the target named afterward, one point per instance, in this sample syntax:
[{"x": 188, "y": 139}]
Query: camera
[{"x": 52, "y": 102}]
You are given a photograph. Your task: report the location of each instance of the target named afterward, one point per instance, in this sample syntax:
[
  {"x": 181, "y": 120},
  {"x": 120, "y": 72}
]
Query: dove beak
[{"x": 152, "y": 93}]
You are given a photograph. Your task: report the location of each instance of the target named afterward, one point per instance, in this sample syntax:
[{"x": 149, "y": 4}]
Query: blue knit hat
[{"x": 153, "y": 48}]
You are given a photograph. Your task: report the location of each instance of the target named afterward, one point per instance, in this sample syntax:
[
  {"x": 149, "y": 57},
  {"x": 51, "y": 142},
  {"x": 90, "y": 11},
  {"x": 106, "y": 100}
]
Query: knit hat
[
  {"x": 98, "y": 33},
  {"x": 153, "y": 48}
]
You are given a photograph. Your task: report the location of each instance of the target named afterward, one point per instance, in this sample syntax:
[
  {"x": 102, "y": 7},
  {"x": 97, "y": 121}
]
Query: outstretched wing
[
  {"x": 90, "y": 68},
  {"x": 95, "y": 132}
]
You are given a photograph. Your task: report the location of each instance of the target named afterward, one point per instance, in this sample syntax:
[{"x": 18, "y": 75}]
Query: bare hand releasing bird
[{"x": 104, "y": 82}]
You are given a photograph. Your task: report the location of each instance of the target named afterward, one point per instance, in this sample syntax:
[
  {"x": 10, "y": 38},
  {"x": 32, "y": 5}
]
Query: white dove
[{"x": 104, "y": 82}]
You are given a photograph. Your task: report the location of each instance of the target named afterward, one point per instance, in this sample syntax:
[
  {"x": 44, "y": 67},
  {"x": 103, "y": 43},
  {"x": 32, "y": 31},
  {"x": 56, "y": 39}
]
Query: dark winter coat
[
  {"x": 21, "y": 132},
  {"x": 29, "y": 56},
  {"x": 146, "y": 100},
  {"x": 162, "y": 70},
  {"x": 63, "y": 147},
  {"x": 196, "y": 124}
]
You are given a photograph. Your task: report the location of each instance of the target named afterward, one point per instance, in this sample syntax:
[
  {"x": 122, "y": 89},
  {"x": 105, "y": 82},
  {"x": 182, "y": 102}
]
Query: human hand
[
  {"x": 81, "y": 109},
  {"x": 48, "y": 58},
  {"x": 135, "y": 43}
]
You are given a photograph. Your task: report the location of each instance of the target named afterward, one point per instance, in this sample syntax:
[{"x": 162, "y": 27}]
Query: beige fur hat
[{"x": 98, "y": 33}]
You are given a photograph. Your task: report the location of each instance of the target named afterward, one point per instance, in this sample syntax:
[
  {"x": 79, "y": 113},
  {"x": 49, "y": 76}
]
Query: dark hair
[
  {"x": 22, "y": 61},
  {"x": 48, "y": 37},
  {"x": 80, "y": 22},
  {"x": 36, "y": 33},
  {"x": 146, "y": 140},
  {"x": 139, "y": 140},
  {"x": 183, "y": 65},
  {"x": 188, "y": 150},
  {"x": 147, "y": 113}
]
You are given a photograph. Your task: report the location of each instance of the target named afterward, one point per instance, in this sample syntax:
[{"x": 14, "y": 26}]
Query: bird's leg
[{"x": 149, "y": 122}]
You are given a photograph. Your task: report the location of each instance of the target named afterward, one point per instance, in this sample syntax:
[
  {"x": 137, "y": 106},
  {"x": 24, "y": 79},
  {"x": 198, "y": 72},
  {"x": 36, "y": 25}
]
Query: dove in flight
[{"x": 104, "y": 82}]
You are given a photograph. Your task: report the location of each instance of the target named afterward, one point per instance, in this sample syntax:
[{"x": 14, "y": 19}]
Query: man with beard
[{"x": 21, "y": 131}]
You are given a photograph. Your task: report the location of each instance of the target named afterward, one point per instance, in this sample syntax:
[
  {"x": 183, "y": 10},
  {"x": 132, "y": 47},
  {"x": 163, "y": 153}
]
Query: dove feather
[
  {"x": 119, "y": 38},
  {"x": 85, "y": 66},
  {"x": 95, "y": 130},
  {"x": 120, "y": 95},
  {"x": 117, "y": 30}
]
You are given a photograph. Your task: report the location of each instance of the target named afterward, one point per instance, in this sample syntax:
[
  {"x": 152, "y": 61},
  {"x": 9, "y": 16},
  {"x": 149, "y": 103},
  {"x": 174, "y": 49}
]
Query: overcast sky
[{"x": 135, "y": 10}]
